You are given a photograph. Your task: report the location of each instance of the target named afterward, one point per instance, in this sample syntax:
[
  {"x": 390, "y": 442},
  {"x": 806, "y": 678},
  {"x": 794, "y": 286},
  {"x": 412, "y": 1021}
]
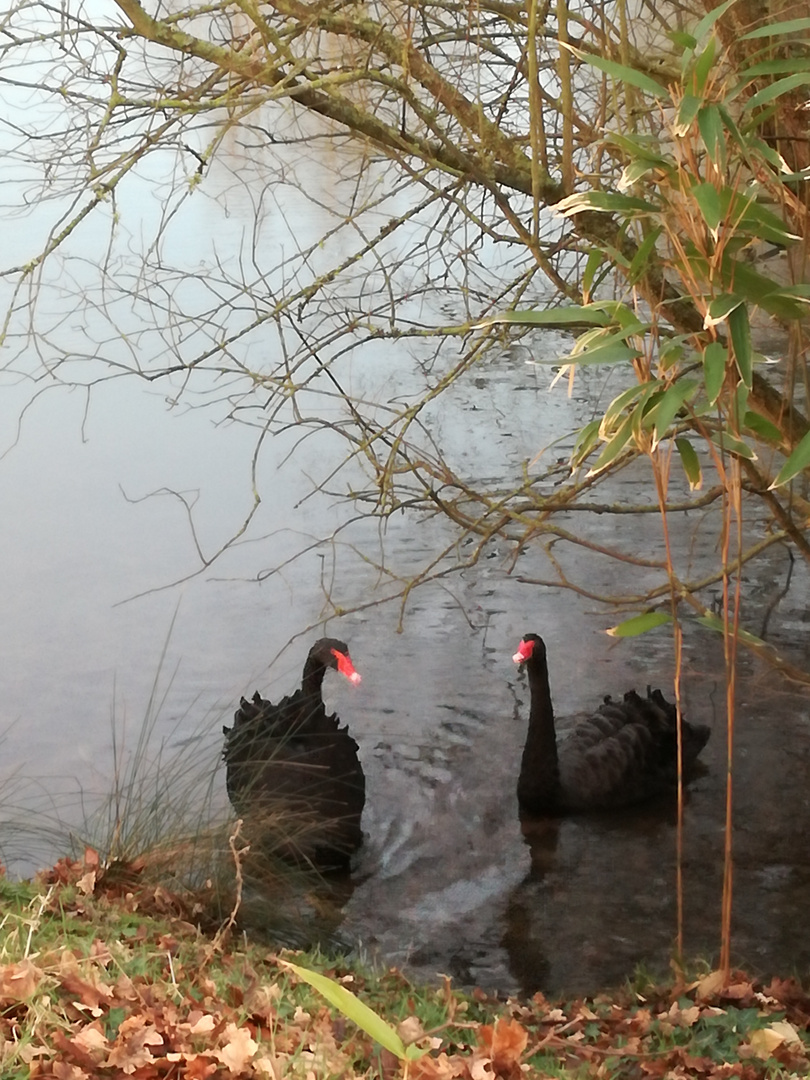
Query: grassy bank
[{"x": 110, "y": 978}]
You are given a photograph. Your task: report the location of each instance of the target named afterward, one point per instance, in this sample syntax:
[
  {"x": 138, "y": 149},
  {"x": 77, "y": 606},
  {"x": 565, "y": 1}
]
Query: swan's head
[
  {"x": 531, "y": 645},
  {"x": 343, "y": 662},
  {"x": 332, "y": 653}
]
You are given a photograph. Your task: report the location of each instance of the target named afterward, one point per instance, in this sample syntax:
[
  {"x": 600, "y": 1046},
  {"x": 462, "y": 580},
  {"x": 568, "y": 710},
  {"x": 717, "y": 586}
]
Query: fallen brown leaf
[
  {"x": 504, "y": 1042},
  {"x": 239, "y": 1049},
  {"x": 132, "y": 1047},
  {"x": 19, "y": 981}
]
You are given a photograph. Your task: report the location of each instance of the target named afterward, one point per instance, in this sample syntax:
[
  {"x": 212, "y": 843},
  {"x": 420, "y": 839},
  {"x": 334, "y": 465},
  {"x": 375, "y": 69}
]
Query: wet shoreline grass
[{"x": 106, "y": 974}]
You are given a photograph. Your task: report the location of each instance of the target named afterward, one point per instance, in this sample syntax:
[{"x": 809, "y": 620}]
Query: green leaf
[
  {"x": 586, "y": 439},
  {"x": 731, "y": 127},
  {"x": 709, "y": 204},
  {"x": 620, "y": 403},
  {"x": 776, "y": 89},
  {"x": 762, "y": 427},
  {"x": 594, "y": 261},
  {"x": 740, "y": 330},
  {"x": 703, "y": 65},
  {"x": 715, "y": 358},
  {"x": 730, "y": 444},
  {"x": 687, "y": 111},
  {"x": 661, "y": 415},
  {"x": 776, "y": 67},
  {"x": 782, "y": 304},
  {"x": 710, "y": 125},
  {"x": 690, "y": 462},
  {"x": 639, "y": 146},
  {"x": 798, "y": 292},
  {"x": 745, "y": 281},
  {"x": 603, "y": 201},
  {"x": 740, "y": 403},
  {"x": 619, "y": 71},
  {"x": 672, "y": 351},
  {"x": 634, "y": 172},
  {"x": 611, "y": 353},
  {"x": 720, "y": 308},
  {"x": 639, "y": 624},
  {"x": 624, "y": 316},
  {"x": 642, "y": 256},
  {"x": 796, "y": 463},
  {"x": 713, "y": 622},
  {"x": 614, "y": 447},
  {"x": 569, "y": 315},
  {"x": 686, "y": 41},
  {"x": 789, "y": 26},
  {"x": 708, "y": 21},
  {"x": 357, "y": 1011},
  {"x": 765, "y": 225}
]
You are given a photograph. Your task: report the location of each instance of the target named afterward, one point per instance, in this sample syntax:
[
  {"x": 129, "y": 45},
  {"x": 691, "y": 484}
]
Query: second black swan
[
  {"x": 624, "y": 752},
  {"x": 293, "y": 764}
]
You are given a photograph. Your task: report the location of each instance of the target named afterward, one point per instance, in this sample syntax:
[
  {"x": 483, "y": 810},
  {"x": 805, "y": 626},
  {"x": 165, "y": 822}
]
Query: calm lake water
[{"x": 94, "y": 574}]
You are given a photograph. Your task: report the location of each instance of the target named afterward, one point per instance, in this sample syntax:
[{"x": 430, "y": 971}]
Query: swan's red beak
[
  {"x": 525, "y": 650},
  {"x": 346, "y": 667}
]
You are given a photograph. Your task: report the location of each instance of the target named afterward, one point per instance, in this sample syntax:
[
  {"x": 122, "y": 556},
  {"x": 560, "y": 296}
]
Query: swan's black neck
[
  {"x": 312, "y": 679},
  {"x": 539, "y": 782}
]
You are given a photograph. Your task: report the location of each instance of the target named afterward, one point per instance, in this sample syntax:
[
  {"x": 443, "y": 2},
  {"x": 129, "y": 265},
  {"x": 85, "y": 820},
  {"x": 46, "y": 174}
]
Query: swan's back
[
  {"x": 294, "y": 759},
  {"x": 625, "y": 752}
]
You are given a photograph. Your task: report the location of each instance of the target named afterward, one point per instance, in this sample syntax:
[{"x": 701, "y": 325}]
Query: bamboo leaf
[
  {"x": 603, "y": 201},
  {"x": 740, "y": 330},
  {"x": 614, "y": 447},
  {"x": 709, "y": 204},
  {"x": 703, "y": 65},
  {"x": 672, "y": 351},
  {"x": 586, "y": 439},
  {"x": 796, "y": 463},
  {"x": 731, "y": 444},
  {"x": 663, "y": 412},
  {"x": 762, "y": 427},
  {"x": 741, "y": 392},
  {"x": 789, "y": 26},
  {"x": 710, "y": 125},
  {"x": 765, "y": 225},
  {"x": 357, "y": 1011},
  {"x": 594, "y": 261},
  {"x": 776, "y": 67},
  {"x": 639, "y": 624},
  {"x": 720, "y": 308},
  {"x": 634, "y": 172},
  {"x": 713, "y": 622},
  {"x": 639, "y": 146},
  {"x": 690, "y": 463},
  {"x": 708, "y": 20},
  {"x": 619, "y": 71},
  {"x": 612, "y": 353},
  {"x": 715, "y": 358},
  {"x": 620, "y": 403},
  {"x": 686, "y": 41},
  {"x": 687, "y": 111},
  {"x": 777, "y": 89},
  {"x": 642, "y": 256}
]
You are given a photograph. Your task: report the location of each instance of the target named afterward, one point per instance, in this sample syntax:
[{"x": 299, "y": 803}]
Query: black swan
[
  {"x": 624, "y": 752},
  {"x": 292, "y": 765}
]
